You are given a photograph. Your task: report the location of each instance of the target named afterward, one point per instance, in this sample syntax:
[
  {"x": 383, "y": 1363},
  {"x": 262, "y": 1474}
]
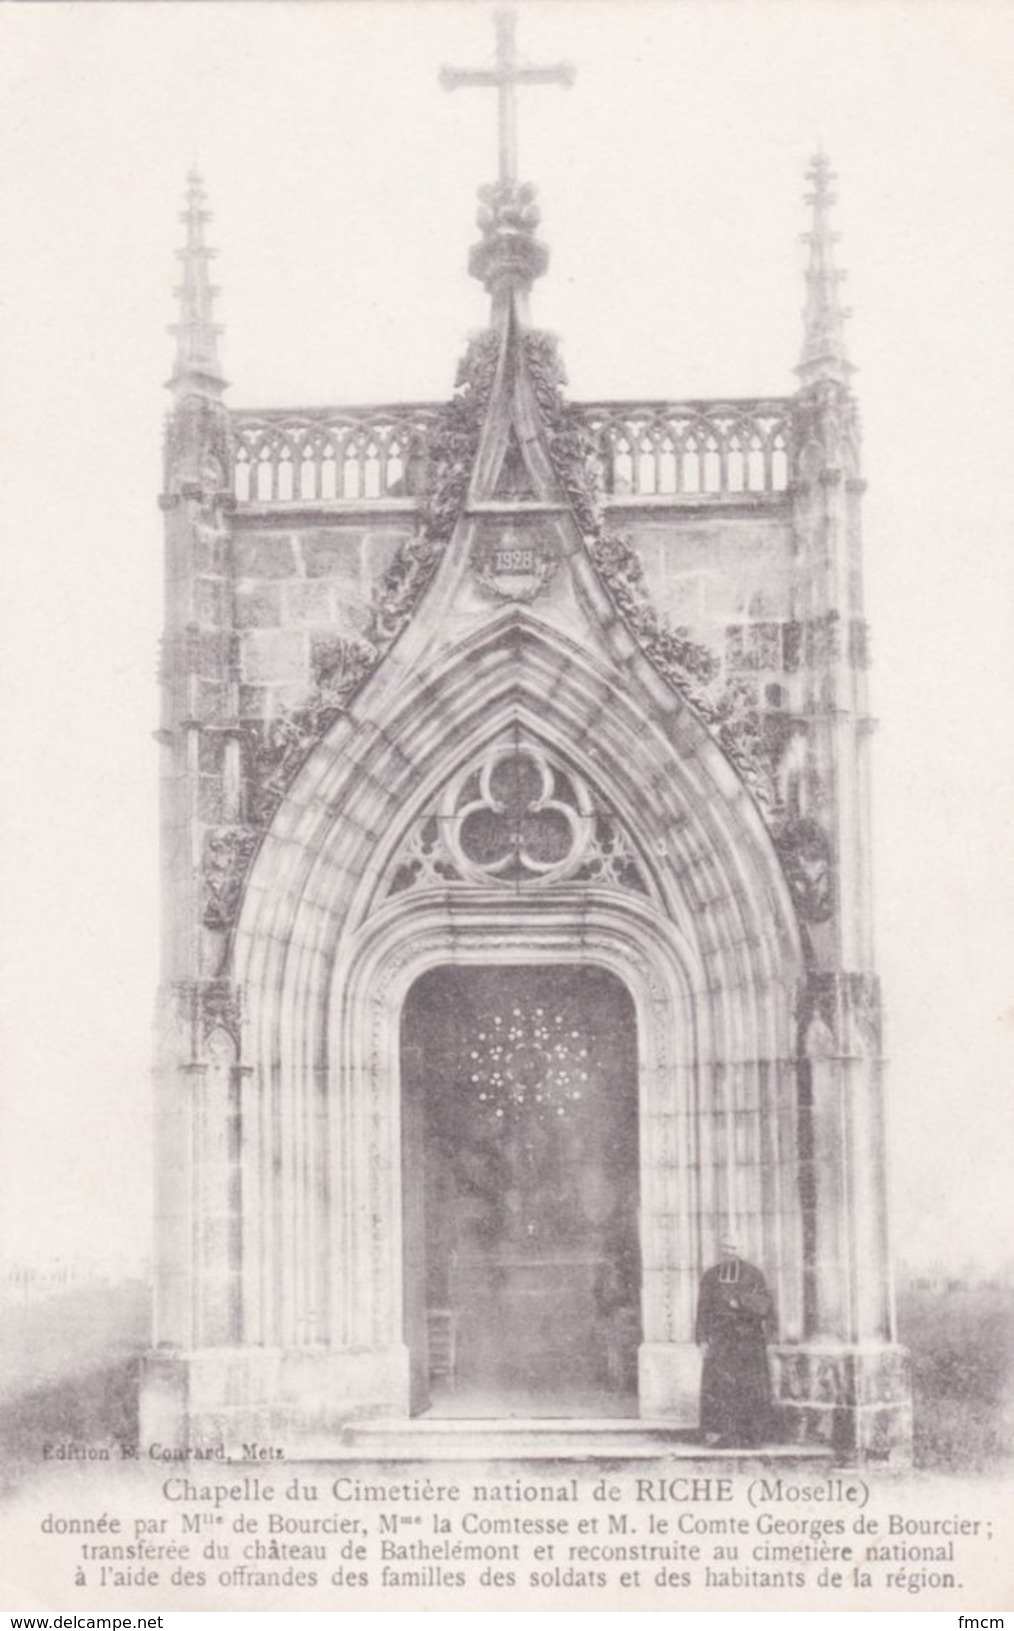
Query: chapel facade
[{"x": 517, "y": 920}]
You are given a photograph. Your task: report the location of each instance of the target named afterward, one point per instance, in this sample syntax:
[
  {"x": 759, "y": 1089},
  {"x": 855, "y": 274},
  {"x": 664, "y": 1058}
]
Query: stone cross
[{"x": 505, "y": 75}]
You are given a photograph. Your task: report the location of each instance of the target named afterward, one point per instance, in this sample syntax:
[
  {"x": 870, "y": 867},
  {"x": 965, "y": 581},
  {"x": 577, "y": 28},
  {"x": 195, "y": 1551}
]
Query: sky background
[{"x": 343, "y": 181}]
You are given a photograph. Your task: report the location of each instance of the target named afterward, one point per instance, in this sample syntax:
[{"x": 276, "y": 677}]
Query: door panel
[{"x": 521, "y": 1087}]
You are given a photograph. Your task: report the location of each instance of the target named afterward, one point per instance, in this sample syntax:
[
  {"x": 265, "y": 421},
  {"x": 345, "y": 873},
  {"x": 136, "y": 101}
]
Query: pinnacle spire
[
  {"x": 824, "y": 355},
  {"x": 197, "y": 368}
]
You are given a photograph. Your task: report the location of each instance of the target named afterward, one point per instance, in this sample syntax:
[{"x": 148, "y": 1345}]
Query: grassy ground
[
  {"x": 69, "y": 1369},
  {"x": 962, "y": 1348}
]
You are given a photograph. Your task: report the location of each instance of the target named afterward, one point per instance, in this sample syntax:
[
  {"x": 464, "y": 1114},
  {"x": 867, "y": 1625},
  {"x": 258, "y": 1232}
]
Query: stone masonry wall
[
  {"x": 710, "y": 571},
  {"x": 293, "y": 588}
]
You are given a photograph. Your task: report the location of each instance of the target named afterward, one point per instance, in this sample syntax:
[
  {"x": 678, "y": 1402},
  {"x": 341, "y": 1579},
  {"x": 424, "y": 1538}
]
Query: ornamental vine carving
[
  {"x": 275, "y": 750},
  {"x": 454, "y": 441},
  {"x": 729, "y": 710},
  {"x": 227, "y": 852},
  {"x": 572, "y": 446}
]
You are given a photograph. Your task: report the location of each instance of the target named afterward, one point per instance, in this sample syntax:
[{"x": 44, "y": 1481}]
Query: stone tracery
[{"x": 516, "y": 817}]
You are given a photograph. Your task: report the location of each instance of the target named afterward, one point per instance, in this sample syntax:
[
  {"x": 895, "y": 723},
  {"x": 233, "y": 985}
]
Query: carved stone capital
[
  {"x": 191, "y": 1010},
  {"x": 220, "y": 1007}
]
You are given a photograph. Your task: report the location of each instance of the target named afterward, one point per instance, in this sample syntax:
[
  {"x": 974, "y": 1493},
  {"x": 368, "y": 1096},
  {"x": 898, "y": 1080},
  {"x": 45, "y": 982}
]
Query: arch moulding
[{"x": 710, "y": 957}]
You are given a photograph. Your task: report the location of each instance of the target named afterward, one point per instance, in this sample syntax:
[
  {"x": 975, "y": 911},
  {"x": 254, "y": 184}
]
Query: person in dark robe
[{"x": 734, "y": 1312}]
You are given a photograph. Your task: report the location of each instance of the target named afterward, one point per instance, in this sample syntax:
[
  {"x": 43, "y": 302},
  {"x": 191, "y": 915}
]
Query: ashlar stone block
[{"x": 276, "y": 657}]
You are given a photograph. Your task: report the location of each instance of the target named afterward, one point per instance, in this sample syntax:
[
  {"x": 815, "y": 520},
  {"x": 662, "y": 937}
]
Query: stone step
[{"x": 549, "y": 1439}]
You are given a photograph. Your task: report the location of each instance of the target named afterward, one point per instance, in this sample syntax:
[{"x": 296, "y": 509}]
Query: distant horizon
[{"x": 141, "y": 1267}]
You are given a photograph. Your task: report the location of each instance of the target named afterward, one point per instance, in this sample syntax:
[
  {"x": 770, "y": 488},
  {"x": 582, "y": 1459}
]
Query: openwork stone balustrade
[
  {"x": 331, "y": 453},
  {"x": 653, "y": 449}
]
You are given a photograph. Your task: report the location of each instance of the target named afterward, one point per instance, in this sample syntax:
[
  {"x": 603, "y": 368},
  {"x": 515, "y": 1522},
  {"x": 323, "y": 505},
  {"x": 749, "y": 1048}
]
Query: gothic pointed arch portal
[
  {"x": 513, "y": 682},
  {"x": 516, "y": 810}
]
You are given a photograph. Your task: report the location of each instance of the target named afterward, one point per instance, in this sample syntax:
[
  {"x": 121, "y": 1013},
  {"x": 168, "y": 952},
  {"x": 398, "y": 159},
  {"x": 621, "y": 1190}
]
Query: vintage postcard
[{"x": 506, "y": 1097}]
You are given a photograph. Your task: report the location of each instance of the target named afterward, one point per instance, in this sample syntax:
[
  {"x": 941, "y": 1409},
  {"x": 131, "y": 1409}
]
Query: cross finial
[{"x": 505, "y": 75}]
